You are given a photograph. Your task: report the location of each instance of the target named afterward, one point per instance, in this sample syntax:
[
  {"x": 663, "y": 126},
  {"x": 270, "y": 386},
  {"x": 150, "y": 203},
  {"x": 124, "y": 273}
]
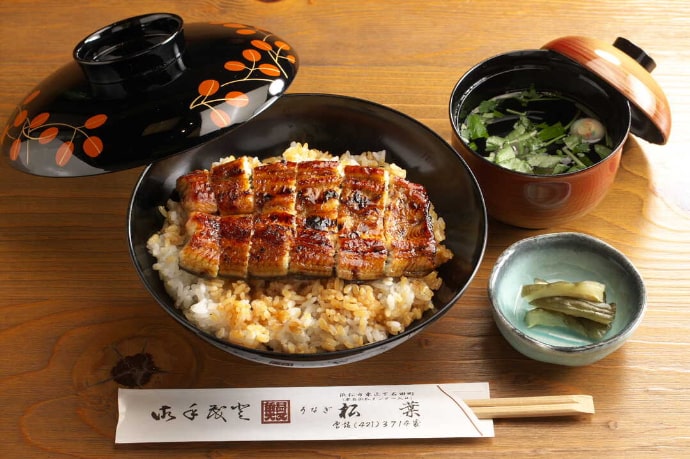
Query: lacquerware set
[{"x": 151, "y": 90}]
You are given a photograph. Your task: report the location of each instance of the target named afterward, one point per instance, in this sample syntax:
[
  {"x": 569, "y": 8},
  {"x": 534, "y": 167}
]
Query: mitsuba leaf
[
  {"x": 532, "y": 145},
  {"x": 516, "y": 164},
  {"x": 544, "y": 161},
  {"x": 494, "y": 143},
  {"x": 505, "y": 154},
  {"x": 476, "y": 128},
  {"x": 528, "y": 95},
  {"x": 487, "y": 106},
  {"x": 602, "y": 150},
  {"x": 573, "y": 142},
  {"x": 549, "y": 132},
  {"x": 559, "y": 168}
]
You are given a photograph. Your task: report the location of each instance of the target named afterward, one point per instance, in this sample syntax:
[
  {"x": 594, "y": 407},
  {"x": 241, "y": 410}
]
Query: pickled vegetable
[
  {"x": 578, "y": 306},
  {"x": 603, "y": 313},
  {"x": 585, "y": 290},
  {"x": 585, "y": 327}
]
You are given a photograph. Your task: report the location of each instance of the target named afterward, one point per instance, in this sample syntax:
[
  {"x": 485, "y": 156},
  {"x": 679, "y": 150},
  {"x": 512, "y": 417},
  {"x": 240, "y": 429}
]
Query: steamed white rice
[{"x": 293, "y": 315}]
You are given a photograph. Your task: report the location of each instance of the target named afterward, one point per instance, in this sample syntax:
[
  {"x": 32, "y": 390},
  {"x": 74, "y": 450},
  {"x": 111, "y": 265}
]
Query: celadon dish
[{"x": 571, "y": 257}]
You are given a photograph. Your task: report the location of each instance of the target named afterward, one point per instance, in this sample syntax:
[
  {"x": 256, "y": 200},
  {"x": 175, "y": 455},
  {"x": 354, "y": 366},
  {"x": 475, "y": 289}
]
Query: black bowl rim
[{"x": 338, "y": 357}]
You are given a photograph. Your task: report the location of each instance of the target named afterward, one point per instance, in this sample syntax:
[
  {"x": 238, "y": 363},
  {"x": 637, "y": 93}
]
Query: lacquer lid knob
[{"x": 133, "y": 55}]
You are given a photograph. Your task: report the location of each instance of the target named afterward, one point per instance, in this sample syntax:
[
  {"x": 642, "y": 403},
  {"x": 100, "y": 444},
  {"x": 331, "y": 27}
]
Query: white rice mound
[{"x": 294, "y": 315}]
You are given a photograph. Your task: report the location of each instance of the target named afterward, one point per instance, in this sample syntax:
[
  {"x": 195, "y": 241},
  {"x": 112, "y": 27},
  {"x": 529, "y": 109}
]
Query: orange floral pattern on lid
[
  {"x": 71, "y": 125},
  {"x": 40, "y": 129},
  {"x": 263, "y": 62}
]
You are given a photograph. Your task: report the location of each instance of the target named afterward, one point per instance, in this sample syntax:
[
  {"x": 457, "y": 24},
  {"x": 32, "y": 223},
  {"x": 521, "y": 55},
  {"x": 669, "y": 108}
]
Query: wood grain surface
[{"x": 71, "y": 303}]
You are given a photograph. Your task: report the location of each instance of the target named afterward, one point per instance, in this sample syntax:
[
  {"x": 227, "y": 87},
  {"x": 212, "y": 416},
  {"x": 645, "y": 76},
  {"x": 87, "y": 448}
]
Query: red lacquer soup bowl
[{"x": 619, "y": 91}]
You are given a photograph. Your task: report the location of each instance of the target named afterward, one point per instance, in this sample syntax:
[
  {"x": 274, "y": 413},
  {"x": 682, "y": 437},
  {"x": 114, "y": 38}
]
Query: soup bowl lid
[
  {"x": 628, "y": 69},
  {"x": 143, "y": 89}
]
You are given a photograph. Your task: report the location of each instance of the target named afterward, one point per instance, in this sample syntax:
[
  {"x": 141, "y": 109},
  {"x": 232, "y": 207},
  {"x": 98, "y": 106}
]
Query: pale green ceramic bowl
[{"x": 572, "y": 257}]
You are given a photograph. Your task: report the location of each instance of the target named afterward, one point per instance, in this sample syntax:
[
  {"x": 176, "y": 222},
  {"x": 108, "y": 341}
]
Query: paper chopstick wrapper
[{"x": 301, "y": 413}]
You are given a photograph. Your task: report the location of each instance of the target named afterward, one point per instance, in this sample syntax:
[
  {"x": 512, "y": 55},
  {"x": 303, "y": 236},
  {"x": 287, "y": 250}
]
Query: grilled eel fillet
[{"x": 310, "y": 218}]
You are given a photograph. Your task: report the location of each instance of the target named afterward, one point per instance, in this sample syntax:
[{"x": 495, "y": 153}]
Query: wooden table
[{"x": 71, "y": 303}]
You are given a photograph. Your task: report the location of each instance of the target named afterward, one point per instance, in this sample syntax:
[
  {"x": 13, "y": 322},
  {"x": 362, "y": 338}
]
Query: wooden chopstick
[{"x": 529, "y": 407}]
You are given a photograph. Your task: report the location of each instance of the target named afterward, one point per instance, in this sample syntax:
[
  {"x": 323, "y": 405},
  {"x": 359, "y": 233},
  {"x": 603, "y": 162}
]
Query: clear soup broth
[{"x": 536, "y": 132}]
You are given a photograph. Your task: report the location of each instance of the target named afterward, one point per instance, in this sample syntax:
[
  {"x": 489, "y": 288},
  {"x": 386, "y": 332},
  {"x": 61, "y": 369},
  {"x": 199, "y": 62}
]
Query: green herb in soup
[{"x": 536, "y": 133}]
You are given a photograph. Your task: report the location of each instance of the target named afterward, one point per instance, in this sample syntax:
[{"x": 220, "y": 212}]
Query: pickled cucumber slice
[
  {"x": 584, "y": 327},
  {"x": 600, "y": 312},
  {"x": 578, "y": 306},
  {"x": 584, "y": 290}
]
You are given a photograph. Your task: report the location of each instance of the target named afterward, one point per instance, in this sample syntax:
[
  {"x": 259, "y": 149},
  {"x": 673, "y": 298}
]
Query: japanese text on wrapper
[{"x": 353, "y": 410}]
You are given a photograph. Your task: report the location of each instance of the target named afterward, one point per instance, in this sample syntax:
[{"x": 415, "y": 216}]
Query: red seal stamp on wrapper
[{"x": 275, "y": 411}]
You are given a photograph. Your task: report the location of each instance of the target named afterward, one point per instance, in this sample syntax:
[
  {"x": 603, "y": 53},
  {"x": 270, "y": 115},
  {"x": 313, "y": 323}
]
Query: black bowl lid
[{"x": 143, "y": 89}]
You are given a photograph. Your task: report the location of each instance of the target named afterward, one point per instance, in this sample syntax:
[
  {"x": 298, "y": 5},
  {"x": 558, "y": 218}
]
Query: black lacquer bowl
[{"x": 335, "y": 124}]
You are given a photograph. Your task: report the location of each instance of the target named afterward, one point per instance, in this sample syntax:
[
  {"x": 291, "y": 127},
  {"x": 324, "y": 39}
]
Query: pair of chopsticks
[{"x": 530, "y": 407}]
